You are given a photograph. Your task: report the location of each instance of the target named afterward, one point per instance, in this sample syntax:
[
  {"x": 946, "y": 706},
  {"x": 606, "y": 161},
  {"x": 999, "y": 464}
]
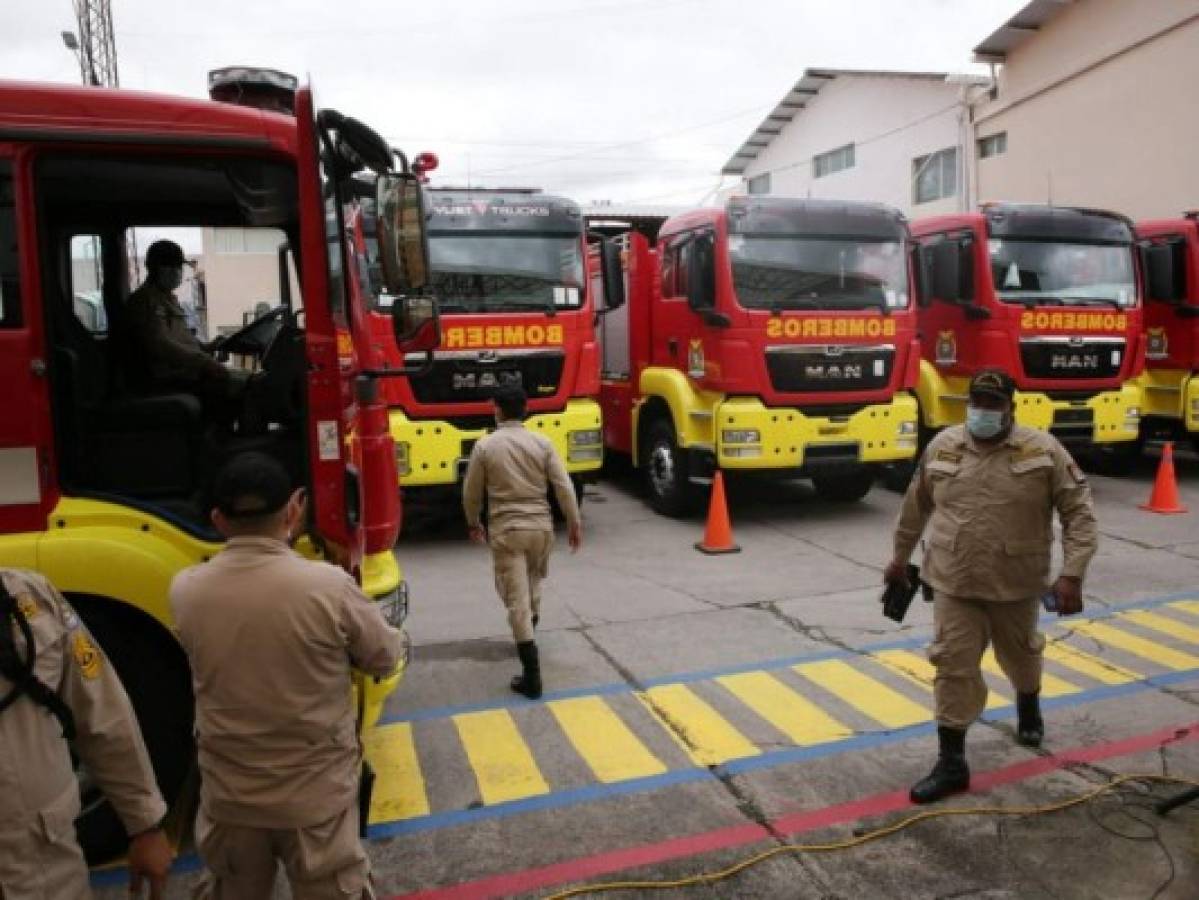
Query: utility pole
[{"x": 94, "y": 45}]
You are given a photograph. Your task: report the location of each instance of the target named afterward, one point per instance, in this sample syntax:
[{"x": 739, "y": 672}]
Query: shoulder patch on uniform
[
  {"x": 949, "y": 456},
  {"x": 28, "y": 606},
  {"x": 87, "y": 655}
]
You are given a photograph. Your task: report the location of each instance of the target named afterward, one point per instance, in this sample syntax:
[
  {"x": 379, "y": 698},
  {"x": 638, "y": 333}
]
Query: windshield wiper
[
  {"x": 1092, "y": 301},
  {"x": 547, "y": 306}
]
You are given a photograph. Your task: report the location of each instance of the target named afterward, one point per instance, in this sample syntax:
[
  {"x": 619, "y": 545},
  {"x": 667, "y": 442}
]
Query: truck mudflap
[
  {"x": 751, "y": 435},
  {"x": 435, "y": 452},
  {"x": 1107, "y": 417}
]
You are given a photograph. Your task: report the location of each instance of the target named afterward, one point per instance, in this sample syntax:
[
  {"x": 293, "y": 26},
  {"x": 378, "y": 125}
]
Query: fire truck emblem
[
  {"x": 1157, "y": 346},
  {"x": 695, "y": 358},
  {"x": 947, "y": 348}
]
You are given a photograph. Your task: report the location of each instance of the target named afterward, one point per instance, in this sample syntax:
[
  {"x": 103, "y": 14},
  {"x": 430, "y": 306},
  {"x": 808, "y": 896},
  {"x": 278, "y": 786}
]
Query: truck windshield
[
  {"x": 491, "y": 273},
  {"x": 818, "y": 273},
  {"x": 1072, "y": 274}
]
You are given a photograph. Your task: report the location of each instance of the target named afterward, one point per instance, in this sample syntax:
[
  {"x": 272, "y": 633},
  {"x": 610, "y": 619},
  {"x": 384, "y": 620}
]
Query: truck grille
[
  {"x": 817, "y": 368},
  {"x": 472, "y": 377},
  {"x": 1054, "y": 357}
]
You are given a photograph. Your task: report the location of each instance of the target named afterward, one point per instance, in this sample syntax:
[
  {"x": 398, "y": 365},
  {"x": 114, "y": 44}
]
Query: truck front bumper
[
  {"x": 751, "y": 435},
  {"x": 382, "y": 581},
  {"x": 1105, "y": 418},
  {"x": 435, "y": 452}
]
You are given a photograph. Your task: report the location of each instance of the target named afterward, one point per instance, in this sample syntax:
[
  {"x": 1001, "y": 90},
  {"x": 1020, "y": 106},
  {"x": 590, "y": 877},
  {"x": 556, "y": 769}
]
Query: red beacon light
[
  {"x": 424, "y": 162},
  {"x": 266, "y": 89}
]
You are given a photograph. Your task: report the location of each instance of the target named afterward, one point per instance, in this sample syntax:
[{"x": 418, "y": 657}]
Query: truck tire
[
  {"x": 154, "y": 672},
  {"x": 1116, "y": 460},
  {"x": 843, "y": 485},
  {"x": 664, "y": 463}
]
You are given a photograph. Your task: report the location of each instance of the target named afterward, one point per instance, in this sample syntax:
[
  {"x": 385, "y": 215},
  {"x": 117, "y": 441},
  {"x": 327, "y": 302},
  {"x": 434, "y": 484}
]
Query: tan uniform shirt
[
  {"x": 271, "y": 638},
  {"x": 39, "y": 794},
  {"x": 989, "y": 514},
  {"x": 515, "y": 468},
  {"x": 172, "y": 352}
]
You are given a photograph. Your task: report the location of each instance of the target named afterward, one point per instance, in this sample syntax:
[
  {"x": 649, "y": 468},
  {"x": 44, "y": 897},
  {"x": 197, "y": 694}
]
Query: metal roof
[
  {"x": 1017, "y": 29},
  {"x": 795, "y": 100}
]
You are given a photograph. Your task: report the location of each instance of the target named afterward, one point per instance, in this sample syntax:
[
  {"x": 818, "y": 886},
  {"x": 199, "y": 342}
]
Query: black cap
[
  {"x": 251, "y": 484},
  {"x": 164, "y": 253},
  {"x": 993, "y": 383}
]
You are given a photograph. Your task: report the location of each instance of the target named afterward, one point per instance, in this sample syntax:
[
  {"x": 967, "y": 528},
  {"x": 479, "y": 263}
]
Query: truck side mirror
[
  {"x": 612, "y": 274},
  {"x": 701, "y": 279},
  {"x": 416, "y": 324},
  {"x": 402, "y": 234},
  {"x": 1158, "y": 262}
]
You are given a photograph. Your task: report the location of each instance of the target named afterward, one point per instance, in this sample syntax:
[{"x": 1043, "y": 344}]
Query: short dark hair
[
  {"x": 164, "y": 254},
  {"x": 511, "y": 399},
  {"x": 252, "y": 485}
]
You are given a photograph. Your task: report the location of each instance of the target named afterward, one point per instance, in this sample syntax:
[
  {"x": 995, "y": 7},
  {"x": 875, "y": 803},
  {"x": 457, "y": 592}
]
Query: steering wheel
[{"x": 252, "y": 339}]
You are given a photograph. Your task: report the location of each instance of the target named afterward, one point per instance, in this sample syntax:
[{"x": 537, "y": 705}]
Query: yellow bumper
[
  {"x": 750, "y": 435},
  {"x": 1116, "y": 414},
  {"x": 1170, "y": 394},
  {"x": 433, "y": 452},
  {"x": 382, "y": 580}
]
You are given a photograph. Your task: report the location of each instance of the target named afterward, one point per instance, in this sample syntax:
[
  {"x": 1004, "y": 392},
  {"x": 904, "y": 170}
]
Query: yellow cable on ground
[{"x": 848, "y": 843}]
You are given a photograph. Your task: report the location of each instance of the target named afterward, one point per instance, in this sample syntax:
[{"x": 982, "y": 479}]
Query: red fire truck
[
  {"x": 1170, "y": 388},
  {"x": 508, "y": 271},
  {"x": 1052, "y": 295},
  {"x": 772, "y": 336},
  {"x": 104, "y": 479}
]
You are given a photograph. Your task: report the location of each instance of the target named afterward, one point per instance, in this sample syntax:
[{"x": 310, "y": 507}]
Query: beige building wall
[
  {"x": 239, "y": 274},
  {"x": 1101, "y": 108}
]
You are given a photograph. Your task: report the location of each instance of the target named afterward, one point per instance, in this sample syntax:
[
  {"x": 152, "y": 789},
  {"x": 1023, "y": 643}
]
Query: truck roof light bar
[{"x": 258, "y": 88}]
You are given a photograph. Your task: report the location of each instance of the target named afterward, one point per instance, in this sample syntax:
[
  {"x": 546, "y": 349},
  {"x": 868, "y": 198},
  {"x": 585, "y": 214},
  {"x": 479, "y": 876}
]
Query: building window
[
  {"x": 759, "y": 184},
  {"x": 992, "y": 145},
  {"x": 935, "y": 176},
  {"x": 832, "y": 161}
]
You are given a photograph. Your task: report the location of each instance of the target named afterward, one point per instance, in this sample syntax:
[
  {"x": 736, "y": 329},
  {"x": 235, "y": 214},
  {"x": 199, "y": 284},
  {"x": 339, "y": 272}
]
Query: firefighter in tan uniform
[
  {"x": 175, "y": 358},
  {"x": 56, "y": 685},
  {"x": 514, "y": 469},
  {"x": 987, "y": 491},
  {"x": 271, "y": 638}
]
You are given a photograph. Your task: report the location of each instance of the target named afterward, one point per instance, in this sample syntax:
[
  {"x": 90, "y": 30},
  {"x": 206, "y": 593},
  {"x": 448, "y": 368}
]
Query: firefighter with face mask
[
  {"x": 174, "y": 357},
  {"x": 986, "y": 491}
]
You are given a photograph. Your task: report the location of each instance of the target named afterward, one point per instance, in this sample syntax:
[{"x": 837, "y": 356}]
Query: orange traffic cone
[
  {"x": 1164, "y": 498},
  {"x": 718, "y": 534}
]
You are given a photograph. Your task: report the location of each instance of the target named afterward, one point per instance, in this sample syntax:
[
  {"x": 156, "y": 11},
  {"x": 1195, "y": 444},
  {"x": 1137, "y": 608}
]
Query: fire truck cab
[
  {"x": 1170, "y": 383},
  {"x": 1050, "y": 294},
  {"x": 104, "y": 476}
]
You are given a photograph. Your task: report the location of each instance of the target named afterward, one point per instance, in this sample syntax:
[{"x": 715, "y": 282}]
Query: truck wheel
[
  {"x": 665, "y": 466},
  {"x": 846, "y": 486},
  {"x": 1117, "y": 460},
  {"x": 897, "y": 476},
  {"x": 154, "y": 671}
]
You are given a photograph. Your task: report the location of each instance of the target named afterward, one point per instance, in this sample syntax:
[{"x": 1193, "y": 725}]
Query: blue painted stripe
[
  {"x": 615, "y": 688},
  {"x": 189, "y": 862}
]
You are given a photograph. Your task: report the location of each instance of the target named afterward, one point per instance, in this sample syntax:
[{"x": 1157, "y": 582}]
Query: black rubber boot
[
  {"x": 950, "y": 775},
  {"x": 1030, "y": 727},
  {"x": 529, "y": 681}
]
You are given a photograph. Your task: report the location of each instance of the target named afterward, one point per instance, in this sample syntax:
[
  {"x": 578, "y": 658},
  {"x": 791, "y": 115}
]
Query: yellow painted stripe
[
  {"x": 788, "y": 711},
  {"x": 864, "y": 694},
  {"x": 611, "y": 750},
  {"x": 1138, "y": 646},
  {"x": 503, "y": 765},
  {"x": 1051, "y": 685},
  {"x": 1187, "y": 606},
  {"x": 399, "y": 785},
  {"x": 1163, "y": 625},
  {"x": 707, "y": 737},
  {"x": 918, "y": 670},
  {"x": 1092, "y": 666}
]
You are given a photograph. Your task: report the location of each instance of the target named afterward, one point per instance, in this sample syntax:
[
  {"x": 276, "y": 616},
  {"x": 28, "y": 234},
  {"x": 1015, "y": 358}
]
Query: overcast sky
[{"x": 623, "y": 100}]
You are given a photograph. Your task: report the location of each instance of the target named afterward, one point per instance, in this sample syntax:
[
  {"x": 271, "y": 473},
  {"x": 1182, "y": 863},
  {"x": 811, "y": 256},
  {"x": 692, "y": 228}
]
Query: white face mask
[
  {"x": 169, "y": 277},
  {"x": 984, "y": 423}
]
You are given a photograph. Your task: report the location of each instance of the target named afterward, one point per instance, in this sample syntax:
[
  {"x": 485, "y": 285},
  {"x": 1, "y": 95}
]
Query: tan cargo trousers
[
  {"x": 520, "y": 559},
  {"x": 961, "y": 631},
  {"x": 322, "y": 862}
]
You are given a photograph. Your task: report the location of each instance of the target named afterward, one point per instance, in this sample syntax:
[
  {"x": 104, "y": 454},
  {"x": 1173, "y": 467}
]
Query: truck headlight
[
  {"x": 1133, "y": 412},
  {"x": 1195, "y": 406},
  {"x": 741, "y": 452},
  {"x": 584, "y": 438},
  {"x": 907, "y": 428},
  {"x": 584, "y": 454},
  {"x": 741, "y": 436},
  {"x": 403, "y": 466}
]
